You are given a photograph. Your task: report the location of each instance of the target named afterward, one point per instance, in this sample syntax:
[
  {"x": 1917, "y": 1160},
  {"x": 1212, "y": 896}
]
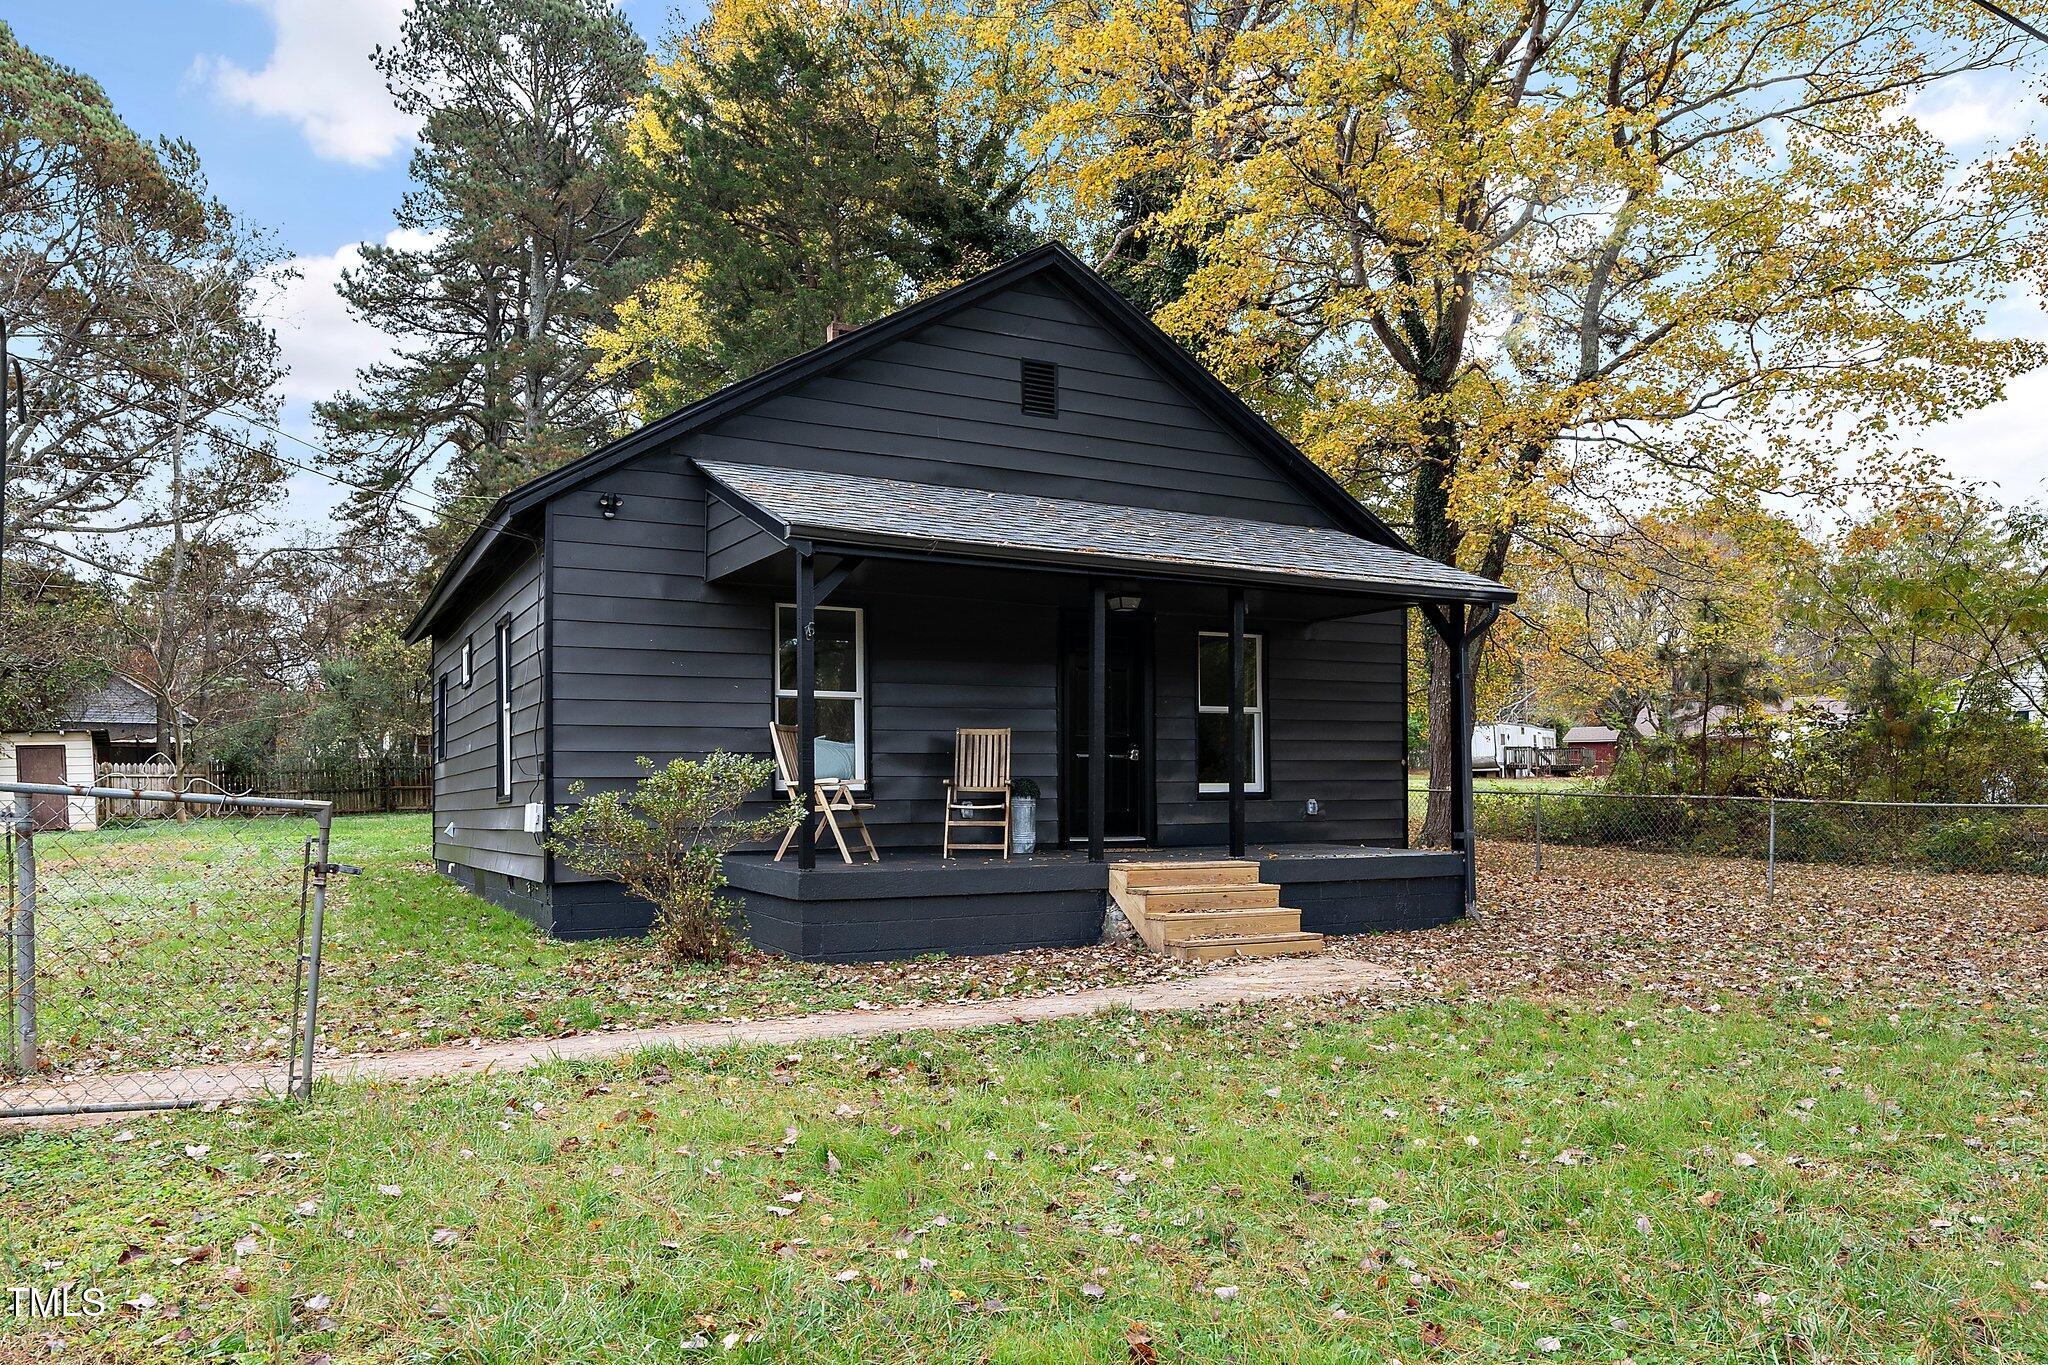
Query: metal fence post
[
  {"x": 22, "y": 932},
  {"x": 1539, "y": 832},
  {"x": 319, "y": 927},
  {"x": 1771, "y": 846}
]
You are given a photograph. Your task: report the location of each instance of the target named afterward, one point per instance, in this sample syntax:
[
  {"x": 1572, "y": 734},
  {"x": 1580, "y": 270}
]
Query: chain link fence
[
  {"x": 158, "y": 962},
  {"x": 1531, "y": 824}
]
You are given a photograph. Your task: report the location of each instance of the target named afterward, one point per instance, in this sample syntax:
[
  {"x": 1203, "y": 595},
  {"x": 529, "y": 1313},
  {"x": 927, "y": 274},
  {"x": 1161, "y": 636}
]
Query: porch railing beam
[
  {"x": 1235, "y": 747},
  {"x": 806, "y": 707},
  {"x": 830, "y": 583},
  {"x": 1098, "y": 716}
]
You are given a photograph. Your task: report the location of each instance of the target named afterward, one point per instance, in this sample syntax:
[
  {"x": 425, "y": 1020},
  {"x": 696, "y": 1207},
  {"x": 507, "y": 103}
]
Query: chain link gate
[{"x": 163, "y": 948}]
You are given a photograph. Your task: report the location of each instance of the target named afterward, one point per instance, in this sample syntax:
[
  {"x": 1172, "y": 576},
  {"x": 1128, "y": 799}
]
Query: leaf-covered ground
[
  {"x": 1478, "y": 1180},
  {"x": 1695, "y": 929}
]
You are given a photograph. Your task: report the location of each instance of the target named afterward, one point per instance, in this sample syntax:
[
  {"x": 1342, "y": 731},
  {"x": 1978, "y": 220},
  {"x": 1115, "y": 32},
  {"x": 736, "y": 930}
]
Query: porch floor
[
  {"x": 917, "y": 902},
  {"x": 1059, "y": 868}
]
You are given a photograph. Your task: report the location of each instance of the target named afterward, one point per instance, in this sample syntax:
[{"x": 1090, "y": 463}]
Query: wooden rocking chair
[
  {"x": 831, "y": 797},
  {"x": 978, "y": 797}
]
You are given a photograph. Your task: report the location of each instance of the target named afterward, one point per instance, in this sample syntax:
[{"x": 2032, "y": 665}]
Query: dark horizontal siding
[
  {"x": 943, "y": 407},
  {"x": 472, "y": 828},
  {"x": 1336, "y": 730}
]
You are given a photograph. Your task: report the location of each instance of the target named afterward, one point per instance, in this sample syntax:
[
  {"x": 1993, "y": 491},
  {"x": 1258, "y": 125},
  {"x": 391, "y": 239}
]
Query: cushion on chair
[{"x": 834, "y": 760}]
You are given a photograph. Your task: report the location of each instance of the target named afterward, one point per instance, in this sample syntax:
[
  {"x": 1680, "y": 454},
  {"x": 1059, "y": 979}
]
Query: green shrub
[
  {"x": 1985, "y": 841},
  {"x": 665, "y": 839}
]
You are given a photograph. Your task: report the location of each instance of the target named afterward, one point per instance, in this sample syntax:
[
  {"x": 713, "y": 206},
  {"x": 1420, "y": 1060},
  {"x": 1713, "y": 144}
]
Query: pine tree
[
  {"x": 517, "y": 239},
  {"x": 802, "y": 166}
]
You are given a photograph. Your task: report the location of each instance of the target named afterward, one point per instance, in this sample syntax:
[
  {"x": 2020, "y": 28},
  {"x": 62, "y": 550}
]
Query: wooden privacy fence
[{"x": 362, "y": 788}]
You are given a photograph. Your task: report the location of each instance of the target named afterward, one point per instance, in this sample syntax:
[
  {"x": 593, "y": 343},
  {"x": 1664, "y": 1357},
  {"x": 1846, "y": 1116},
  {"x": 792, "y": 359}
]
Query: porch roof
[{"x": 891, "y": 514}]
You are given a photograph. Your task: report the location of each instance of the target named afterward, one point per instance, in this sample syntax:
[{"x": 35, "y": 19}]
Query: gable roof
[{"x": 499, "y": 527}]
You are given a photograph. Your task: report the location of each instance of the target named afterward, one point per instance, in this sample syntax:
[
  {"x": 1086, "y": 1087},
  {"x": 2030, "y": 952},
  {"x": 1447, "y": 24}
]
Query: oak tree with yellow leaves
[{"x": 1526, "y": 265}]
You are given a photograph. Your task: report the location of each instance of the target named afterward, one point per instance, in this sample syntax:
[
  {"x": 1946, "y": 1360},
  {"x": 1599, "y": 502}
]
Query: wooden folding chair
[
  {"x": 978, "y": 797},
  {"x": 831, "y": 798}
]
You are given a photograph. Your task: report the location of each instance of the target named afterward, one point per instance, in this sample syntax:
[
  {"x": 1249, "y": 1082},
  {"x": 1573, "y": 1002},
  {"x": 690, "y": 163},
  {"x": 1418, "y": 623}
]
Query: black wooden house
[{"x": 1013, "y": 504}]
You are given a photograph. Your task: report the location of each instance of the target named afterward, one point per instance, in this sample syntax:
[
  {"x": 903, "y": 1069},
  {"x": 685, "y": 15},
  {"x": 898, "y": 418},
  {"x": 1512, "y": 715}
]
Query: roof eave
[{"x": 834, "y": 539}]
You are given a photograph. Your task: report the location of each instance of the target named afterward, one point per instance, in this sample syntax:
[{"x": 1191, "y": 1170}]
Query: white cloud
[
  {"x": 322, "y": 343},
  {"x": 2004, "y": 445},
  {"x": 322, "y": 346},
  {"x": 1975, "y": 111},
  {"x": 319, "y": 76}
]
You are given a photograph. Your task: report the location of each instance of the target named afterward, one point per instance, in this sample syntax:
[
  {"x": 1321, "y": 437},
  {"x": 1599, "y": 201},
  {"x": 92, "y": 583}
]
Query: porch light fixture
[
  {"x": 609, "y": 504},
  {"x": 1129, "y": 603}
]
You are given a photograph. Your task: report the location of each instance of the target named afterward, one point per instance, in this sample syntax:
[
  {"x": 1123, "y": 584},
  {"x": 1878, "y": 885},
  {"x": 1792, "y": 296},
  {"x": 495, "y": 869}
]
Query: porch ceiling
[{"x": 892, "y": 515}]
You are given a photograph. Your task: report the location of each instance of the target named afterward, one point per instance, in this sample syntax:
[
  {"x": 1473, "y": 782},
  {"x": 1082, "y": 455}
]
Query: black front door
[{"x": 1129, "y": 769}]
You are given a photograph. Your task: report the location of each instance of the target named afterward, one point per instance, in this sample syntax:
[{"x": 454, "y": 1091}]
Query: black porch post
[
  {"x": 1098, "y": 715},
  {"x": 1461, "y": 751},
  {"x": 806, "y": 705},
  {"x": 1235, "y": 747}
]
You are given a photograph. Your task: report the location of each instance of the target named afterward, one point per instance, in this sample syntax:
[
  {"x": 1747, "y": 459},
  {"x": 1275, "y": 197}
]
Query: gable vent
[{"x": 1041, "y": 388}]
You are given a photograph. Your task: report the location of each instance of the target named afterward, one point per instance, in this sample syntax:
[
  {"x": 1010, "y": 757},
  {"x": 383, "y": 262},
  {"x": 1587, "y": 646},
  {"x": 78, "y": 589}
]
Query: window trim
[
  {"x": 859, "y": 696},
  {"x": 1257, "y": 780},
  {"x": 441, "y": 717},
  {"x": 501, "y": 676}
]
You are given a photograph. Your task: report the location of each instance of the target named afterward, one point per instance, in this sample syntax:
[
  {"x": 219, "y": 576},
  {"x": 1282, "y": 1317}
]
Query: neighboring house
[
  {"x": 1013, "y": 504},
  {"x": 1739, "y": 725},
  {"x": 2030, "y": 693},
  {"x": 1594, "y": 748},
  {"x": 1510, "y": 746},
  {"x": 116, "y": 722}
]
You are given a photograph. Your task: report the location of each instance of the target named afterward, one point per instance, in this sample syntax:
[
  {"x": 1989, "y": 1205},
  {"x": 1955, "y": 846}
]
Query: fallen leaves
[{"x": 1606, "y": 921}]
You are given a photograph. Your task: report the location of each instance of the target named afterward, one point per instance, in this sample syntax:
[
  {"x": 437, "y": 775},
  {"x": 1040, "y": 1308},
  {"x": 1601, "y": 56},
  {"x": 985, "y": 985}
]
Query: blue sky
[{"x": 297, "y": 134}]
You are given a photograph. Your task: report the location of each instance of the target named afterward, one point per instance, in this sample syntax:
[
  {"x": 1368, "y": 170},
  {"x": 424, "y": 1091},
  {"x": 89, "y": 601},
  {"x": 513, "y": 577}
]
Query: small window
[
  {"x": 469, "y": 661},
  {"x": 839, "y": 667},
  {"x": 1041, "y": 388},
  {"x": 503, "y": 674},
  {"x": 1212, "y": 725}
]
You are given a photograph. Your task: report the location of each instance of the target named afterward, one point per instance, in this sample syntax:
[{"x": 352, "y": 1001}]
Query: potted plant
[{"x": 1023, "y": 816}]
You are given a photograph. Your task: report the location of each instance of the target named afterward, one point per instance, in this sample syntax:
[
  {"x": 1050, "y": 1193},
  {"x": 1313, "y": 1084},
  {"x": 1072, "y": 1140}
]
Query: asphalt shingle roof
[{"x": 860, "y": 510}]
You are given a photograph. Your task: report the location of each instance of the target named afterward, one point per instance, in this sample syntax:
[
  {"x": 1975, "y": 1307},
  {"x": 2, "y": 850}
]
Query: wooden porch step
[
  {"x": 1168, "y": 900},
  {"x": 1187, "y": 925},
  {"x": 1135, "y": 875},
  {"x": 1246, "y": 945}
]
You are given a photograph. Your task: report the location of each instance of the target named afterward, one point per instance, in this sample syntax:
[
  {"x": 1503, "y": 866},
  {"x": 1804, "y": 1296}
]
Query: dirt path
[{"x": 1265, "y": 979}]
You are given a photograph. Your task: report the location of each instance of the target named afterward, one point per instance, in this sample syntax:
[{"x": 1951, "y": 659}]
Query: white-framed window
[
  {"x": 503, "y": 673},
  {"x": 1212, "y": 704},
  {"x": 468, "y": 661},
  {"x": 840, "y": 682}
]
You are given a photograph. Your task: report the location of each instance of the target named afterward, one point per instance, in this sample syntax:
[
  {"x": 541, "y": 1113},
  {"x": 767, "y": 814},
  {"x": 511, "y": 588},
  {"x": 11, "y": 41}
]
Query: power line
[{"x": 2022, "y": 25}]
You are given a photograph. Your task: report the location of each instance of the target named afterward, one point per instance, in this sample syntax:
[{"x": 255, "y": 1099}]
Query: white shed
[{"x": 57, "y": 756}]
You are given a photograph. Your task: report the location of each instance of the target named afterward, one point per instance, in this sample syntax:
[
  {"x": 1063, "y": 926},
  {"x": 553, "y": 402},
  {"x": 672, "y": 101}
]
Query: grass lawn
[
  {"x": 1786, "y": 1179},
  {"x": 164, "y": 943}
]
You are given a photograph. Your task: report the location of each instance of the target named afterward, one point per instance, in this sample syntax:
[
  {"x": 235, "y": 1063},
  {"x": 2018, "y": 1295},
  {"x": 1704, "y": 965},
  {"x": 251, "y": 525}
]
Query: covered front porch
[
  {"x": 1057, "y": 897},
  {"x": 1178, "y": 687}
]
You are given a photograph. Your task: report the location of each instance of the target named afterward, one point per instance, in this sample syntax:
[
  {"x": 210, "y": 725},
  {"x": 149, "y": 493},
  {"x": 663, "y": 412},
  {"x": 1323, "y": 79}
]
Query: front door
[
  {"x": 1129, "y": 768},
  {"x": 44, "y": 763}
]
